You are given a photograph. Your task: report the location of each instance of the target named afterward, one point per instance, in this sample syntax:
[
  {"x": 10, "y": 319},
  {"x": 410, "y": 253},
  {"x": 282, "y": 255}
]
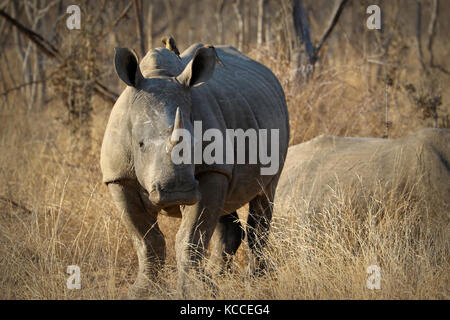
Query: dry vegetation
[{"x": 55, "y": 212}]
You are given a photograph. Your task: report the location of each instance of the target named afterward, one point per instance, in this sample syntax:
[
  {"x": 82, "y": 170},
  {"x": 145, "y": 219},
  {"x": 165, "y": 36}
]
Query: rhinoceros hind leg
[
  {"x": 258, "y": 225},
  {"x": 225, "y": 241}
]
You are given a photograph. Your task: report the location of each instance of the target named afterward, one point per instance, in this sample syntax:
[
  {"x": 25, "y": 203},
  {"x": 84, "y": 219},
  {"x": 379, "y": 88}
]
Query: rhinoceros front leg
[
  {"x": 225, "y": 241},
  {"x": 147, "y": 239},
  {"x": 197, "y": 226}
]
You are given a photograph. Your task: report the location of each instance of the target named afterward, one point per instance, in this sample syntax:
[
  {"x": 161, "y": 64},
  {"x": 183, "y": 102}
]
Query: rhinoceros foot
[{"x": 143, "y": 288}]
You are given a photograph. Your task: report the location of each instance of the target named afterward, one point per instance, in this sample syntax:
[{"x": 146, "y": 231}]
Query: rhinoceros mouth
[{"x": 167, "y": 198}]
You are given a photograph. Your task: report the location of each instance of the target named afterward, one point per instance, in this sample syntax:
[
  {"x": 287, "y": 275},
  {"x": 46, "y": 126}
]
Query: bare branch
[
  {"x": 219, "y": 20},
  {"x": 302, "y": 28},
  {"x": 16, "y": 204},
  {"x": 240, "y": 21},
  {"x": 48, "y": 49},
  {"x": 259, "y": 36},
  {"x": 40, "y": 42},
  {"x": 303, "y": 36},
  {"x": 334, "y": 18},
  {"x": 117, "y": 20},
  {"x": 419, "y": 34},
  {"x": 23, "y": 85},
  {"x": 432, "y": 29},
  {"x": 150, "y": 25},
  {"x": 139, "y": 25},
  {"x": 170, "y": 16}
]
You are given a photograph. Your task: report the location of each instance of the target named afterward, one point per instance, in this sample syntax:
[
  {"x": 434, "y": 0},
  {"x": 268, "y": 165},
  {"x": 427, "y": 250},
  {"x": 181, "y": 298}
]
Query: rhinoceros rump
[
  {"x": 165, "y": 93},
  {"x": 416, "y": 166}
]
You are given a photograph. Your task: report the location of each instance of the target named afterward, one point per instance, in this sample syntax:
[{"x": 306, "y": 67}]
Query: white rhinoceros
[
  {"x": 317, "y": 172},
  {"x": 166, "y": 92}
]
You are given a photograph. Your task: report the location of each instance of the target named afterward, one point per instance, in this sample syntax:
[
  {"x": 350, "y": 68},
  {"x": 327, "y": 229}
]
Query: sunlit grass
[{"x": 71, "y": 220}]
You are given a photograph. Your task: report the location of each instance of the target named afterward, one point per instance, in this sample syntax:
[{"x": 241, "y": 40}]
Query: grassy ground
[{"x": 55, "y": 212}]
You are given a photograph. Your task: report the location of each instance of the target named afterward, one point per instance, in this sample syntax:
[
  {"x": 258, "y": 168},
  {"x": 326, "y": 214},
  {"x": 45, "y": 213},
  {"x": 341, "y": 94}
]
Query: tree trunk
[
  {"x": 288, "y": 46},
  {"x": 139, "y": 25},
  {"x": 302, "y": 31},
  {"x": 219, "y": 20},
  {"x": 419, "y": 34},
  {"x": 268, "y": 39},
  {"x": 432, "y": 30},
  {"x": 170, "y": 16},
  {"x": 259, "y": 36},
  {"x": 240, "y": 22},
  {"x": 150, "y": 26}
]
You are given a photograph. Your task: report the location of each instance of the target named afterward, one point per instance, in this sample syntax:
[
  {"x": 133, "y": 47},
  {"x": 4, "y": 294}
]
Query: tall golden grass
[{"x": 55, "y": 211}]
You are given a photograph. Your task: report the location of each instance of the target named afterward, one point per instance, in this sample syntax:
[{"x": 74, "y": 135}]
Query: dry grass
[{"x": 71, "y": 220}]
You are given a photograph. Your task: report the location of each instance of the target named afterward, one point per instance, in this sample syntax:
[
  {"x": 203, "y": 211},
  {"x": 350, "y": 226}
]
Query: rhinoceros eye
[{"x": 141, "y": 144}]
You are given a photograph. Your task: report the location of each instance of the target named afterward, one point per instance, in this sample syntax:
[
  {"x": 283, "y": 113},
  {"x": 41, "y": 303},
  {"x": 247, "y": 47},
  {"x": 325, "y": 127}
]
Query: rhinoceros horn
[{"x": 178, "y": 124}]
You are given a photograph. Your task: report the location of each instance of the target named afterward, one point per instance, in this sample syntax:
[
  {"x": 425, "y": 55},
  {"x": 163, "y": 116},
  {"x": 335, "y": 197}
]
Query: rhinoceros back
[
  {"x": 243, "y": 94},
  {"x": 318, "y": 173}
]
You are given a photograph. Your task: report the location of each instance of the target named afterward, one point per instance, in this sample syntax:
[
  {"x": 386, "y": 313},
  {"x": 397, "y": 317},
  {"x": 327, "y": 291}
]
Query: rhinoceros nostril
[
  {"x": 155, "y": 187},
  {"x": 145, "y": 192}
]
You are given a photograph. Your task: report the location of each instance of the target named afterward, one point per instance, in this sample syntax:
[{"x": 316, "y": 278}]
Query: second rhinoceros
[{"x": 164, "y": 93}]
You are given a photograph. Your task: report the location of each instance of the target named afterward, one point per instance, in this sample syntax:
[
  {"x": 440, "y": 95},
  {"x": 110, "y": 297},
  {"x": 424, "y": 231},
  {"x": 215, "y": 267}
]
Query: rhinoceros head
[{"x": 157, "y": 107}]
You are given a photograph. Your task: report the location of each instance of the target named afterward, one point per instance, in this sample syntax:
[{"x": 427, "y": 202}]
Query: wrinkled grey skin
[
  {"x": 316, "y": 172},
  {"x": 143, "y": 181}
]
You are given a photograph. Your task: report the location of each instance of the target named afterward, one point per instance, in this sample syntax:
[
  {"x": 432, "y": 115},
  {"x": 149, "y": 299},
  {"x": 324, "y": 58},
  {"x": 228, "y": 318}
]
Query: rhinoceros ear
[
  {"x": 127, "y": 67},
  {"x": 200, "y": 69}
]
